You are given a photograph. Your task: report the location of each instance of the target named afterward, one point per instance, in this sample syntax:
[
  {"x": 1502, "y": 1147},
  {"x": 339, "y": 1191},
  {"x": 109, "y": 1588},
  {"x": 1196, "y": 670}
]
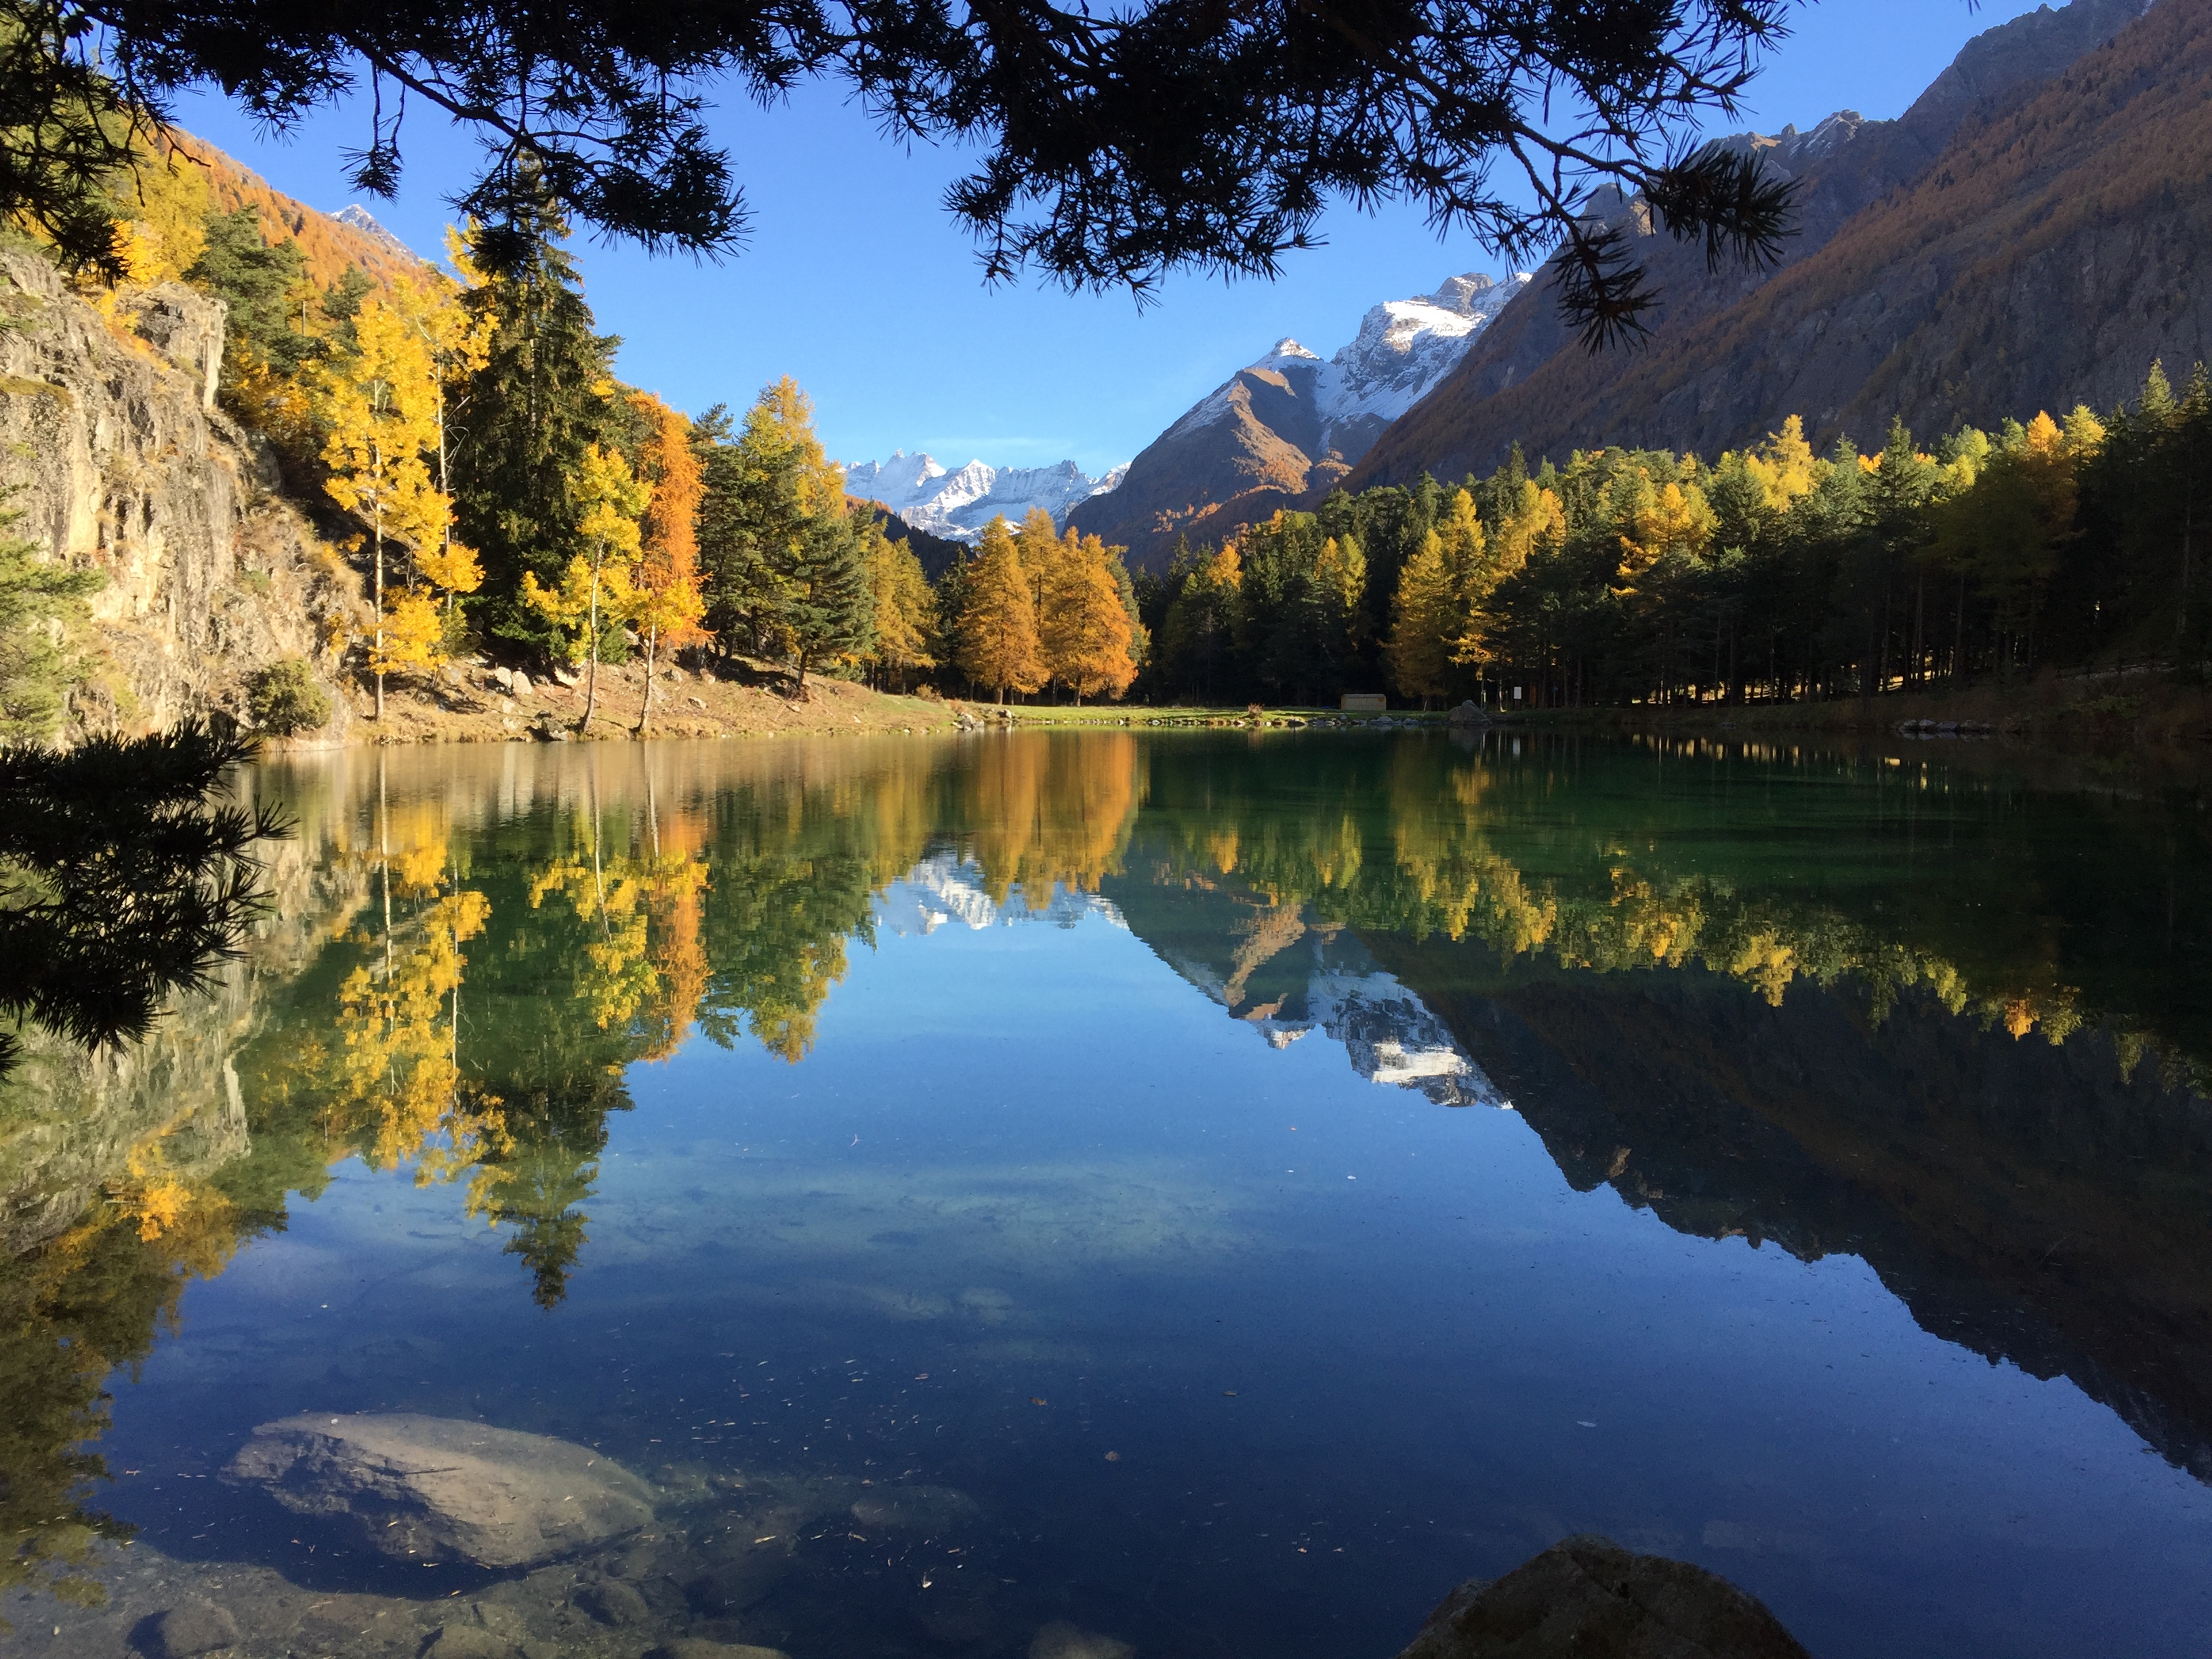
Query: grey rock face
[
  {"x": 191, "y": 1629},
  {"x": 120, "y": 463},
  {"x": 437, "y": 1488},
  {"x": 1591, "y": 1599}
]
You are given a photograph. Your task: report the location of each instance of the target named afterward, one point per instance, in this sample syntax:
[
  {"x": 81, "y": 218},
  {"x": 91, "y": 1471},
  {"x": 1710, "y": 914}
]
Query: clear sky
[{"x": 858, "y": 285}]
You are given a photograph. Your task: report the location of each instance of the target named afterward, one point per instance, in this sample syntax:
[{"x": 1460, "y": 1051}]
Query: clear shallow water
[{"x": 730, "y": 1109}]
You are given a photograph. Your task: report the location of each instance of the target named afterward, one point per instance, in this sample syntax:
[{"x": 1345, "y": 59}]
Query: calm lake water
[{"x": 1226, "y": 1190}]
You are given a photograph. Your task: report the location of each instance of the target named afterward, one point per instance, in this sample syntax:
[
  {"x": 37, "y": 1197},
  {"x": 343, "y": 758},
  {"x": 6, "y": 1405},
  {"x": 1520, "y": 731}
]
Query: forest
[
  {"x": 464, "y": 437},
  {"x": 1771, "y": 574}
]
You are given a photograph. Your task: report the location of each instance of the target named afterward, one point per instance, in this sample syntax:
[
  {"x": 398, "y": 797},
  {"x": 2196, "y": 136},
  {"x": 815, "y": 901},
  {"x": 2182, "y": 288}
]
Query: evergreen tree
[
  {"x": 540, "y": 400},
  {"x": 36, "y": 594},
  {"x": 829, "y": 603}
]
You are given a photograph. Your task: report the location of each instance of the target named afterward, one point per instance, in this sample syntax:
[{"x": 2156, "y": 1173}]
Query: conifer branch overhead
[{"x": 1117, "y": 145}]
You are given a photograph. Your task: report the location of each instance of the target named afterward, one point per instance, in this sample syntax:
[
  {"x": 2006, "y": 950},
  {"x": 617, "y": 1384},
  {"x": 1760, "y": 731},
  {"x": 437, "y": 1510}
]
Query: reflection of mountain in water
[
  {"x": 1285, "y": 978},
  {"x": 2036, "y": 1203},
  {"x": 947, "y": 888}
]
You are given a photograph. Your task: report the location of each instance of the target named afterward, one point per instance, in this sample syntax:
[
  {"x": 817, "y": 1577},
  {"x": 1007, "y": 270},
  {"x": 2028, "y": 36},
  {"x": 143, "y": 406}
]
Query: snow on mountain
[
  {"x": 364, "y": 221},
  {"x": 1403, "y": 347},
  {"x": 945, "y": 889},
  {"x": 958, "y": 505}
]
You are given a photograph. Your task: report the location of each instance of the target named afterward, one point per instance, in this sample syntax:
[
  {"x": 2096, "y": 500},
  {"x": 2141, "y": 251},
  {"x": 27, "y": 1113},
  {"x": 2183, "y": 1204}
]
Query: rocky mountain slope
[
  {"x": 1974, "y": 258},
  {"x": 118, "y": 460},
  {"x": 1290, "y": 423},
  {"x": 958, "y": 505}
]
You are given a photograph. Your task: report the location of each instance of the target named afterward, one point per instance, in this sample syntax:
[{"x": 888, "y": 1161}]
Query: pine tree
[
  {"x": 540, "y": 399},
  {"x": 828, "y": 606},
  {"x": 1199, "y": 631},
  {"x": 998, "y": 630},
  {"x": 36, "y": 594}
]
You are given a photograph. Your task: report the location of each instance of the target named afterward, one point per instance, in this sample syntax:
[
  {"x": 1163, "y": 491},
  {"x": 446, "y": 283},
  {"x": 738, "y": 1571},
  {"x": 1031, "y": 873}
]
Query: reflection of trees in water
[{"x": 1569, "y": 860}]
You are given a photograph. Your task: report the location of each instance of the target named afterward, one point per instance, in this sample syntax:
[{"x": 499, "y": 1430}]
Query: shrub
[{"x": 285, "y": 699}]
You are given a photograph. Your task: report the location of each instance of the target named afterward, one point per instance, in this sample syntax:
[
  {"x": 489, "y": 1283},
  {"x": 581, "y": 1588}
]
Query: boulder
[
  {"x": 440, "y": 1489},
  {"x": 189, "y": 1630},
  {"x": 1061, "y": 1640},
  {"x": 693, "y": 1647},
  {"x": 519, "y": 683},
  {"x": 1469, "y": 713},
  {"x": 933, "y": 1509},
  {"x": 614, "y": 1603},
  {"x": 1589, "y": 1598}
]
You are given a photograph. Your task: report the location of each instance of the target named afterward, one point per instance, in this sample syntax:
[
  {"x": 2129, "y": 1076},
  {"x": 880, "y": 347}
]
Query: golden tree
[
  {"x": 458, "y": 337},
  {"x": 1084, "y": 634},
  {"x": 377, "y": 402},
  {"x": 998, "y": 631},
  {"x": 1530, "y": 519},
  {"x": 1423, "y": 619},
  {"x": 596, "y": 589},
  {"x": 668, "y": 603},
  {"x": 906, "y": 608}
]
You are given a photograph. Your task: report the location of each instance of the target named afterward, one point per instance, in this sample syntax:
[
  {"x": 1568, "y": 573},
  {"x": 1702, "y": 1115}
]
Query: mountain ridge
[
  {"x": 1291, "y": 422},
  {"x": 1525, "y": 383}
]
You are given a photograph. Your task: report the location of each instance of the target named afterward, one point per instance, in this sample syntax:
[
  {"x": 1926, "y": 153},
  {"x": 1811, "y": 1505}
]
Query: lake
[{"x": 1211, "y": 1191}]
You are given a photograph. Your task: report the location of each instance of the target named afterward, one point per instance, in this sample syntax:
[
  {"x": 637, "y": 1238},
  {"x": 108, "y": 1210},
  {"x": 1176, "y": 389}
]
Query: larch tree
[
  {"x": 1529, "y": 518},
  {"x": 377, "y": 404},
  {"x": 905, "y": 608},
  {"x": 668, "y": 604},
  {"x": 458, "y": 337},
  {"x": 1084, "y": 632},
  {"x": 596, "y": 589},
  {"x": 1423, "y": 622},
  {"x": 998, "y": 632}
]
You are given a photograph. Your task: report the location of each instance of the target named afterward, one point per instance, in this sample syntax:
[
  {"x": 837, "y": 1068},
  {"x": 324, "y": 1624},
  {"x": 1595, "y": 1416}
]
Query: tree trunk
[
  {"x": 378, "y": 532},
  {"x": 652, "y": 644},
  {"x": 592, "y": 678}
]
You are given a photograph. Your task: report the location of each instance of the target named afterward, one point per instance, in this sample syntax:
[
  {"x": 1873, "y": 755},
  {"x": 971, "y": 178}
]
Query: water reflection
[{"x": 1808, "y": 1001}]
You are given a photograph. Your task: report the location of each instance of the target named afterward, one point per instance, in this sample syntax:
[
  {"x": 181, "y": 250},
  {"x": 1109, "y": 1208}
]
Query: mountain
[
  {"x": 1291, "y": 423},
  {"x": 2025, "y": 235},
  {"x": 958, "y": 505},
  {"x": 331, "y": 241}
]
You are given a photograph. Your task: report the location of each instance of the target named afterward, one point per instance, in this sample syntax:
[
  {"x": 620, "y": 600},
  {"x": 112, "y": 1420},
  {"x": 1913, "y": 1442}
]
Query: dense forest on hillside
[{"x": 1769, "y": 574}]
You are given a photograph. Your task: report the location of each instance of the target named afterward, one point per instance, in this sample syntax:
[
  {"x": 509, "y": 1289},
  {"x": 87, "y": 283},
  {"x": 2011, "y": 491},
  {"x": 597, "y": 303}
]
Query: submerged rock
[
  {"x": 189, "y": 1630},
  {"x": 1589, "y": 1598},
  {"x": 693, "y": 1647},
  {"x": 1061, "y": 1640},
  {"x": 932, "y": 1509},
  {"x": 438, "y": 1488}
]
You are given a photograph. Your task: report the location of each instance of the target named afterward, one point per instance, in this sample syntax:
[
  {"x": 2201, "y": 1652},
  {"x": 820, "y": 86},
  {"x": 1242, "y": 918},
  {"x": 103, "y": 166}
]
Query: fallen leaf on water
[
  {"x": 1113, "y": 1457},
  {"x": 1033, "y": 1400}
]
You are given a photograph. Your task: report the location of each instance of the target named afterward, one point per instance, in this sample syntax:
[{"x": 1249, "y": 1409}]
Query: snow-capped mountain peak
[
  {"x": 1403, "y": 347},
  {"x": 958, "y": 504},
  {"x": 361, "y": 219}
]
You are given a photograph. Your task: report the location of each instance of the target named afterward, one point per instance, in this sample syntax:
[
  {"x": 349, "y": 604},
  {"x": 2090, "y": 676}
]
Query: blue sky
[{"x": 858, "y": 285}]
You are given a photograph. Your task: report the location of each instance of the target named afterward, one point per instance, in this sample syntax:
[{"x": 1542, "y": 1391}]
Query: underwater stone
[
  {"x": 917, "y": 1509},
  {"x": 614, "y": 1603},
  {"x": 1061, "y": 1640},
  {"x": 437, "y": 1488},
  {"x": 1589, "y": 1598},
  {"x": 189, "y": 1629},
  {"x": 468, "y": 1642},
  {"x": 692, "y": 1647}
]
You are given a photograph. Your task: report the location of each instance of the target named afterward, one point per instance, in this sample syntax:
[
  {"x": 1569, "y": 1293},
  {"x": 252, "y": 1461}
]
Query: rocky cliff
[
  {"x": 118, "y": 460},
  {"x": 1945, "y": 263}
]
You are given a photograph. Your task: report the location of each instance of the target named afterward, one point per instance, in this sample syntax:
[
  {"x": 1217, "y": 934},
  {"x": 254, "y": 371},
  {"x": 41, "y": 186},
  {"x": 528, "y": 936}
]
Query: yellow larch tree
[
  {"x": 1423, "y": 621},
  {"x": 378, "y": 405},
  {"x": 906, "y": 608},
  {"x": 999, "y": 634},
  {"x": 598, "y": 588},
  {"x": 1082, "y": 629},
  {"x": 458, "y": 337},
  {"x": 1531, "y": 519},
  {"x": 668, "y": 603}
]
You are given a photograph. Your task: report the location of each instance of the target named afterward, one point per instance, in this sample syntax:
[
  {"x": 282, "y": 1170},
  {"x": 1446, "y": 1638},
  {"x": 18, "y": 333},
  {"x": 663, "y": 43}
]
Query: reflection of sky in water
[{"x": 1350, "y": 1345}]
